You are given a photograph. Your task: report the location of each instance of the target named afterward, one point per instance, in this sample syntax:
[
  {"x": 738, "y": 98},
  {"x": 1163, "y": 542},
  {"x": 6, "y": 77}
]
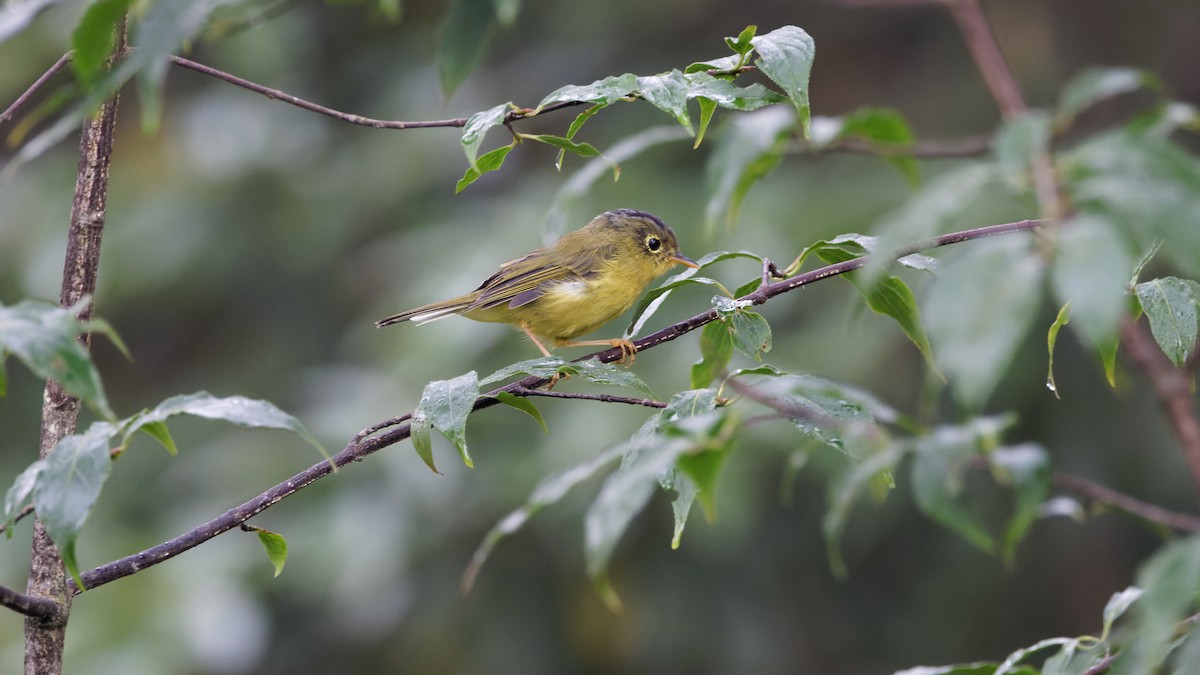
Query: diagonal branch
[
  {"x": 398, "y": 428},
  {"x": 1173, "y": 388},
  {"x": 37, "y": 84},
  {"x": 1101, "y": 494}
]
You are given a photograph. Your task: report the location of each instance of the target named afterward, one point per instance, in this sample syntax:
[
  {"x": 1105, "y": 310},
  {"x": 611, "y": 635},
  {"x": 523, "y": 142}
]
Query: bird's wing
[{"x": 521, "y": 281}]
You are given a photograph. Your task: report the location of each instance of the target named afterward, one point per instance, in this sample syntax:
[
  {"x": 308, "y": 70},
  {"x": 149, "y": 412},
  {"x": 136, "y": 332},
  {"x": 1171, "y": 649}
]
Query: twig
[
  {"x": 603, "y": 398},
  {"x": 1097, "y": 493},
  {"x": 1102, "y": 666},
  {"x": 29, "y": 605},
  {"x": 352, "y": 118},
  {"x": 37, "y": 84},
  {"x": 972, "y": 146},
  {"x": 357, "y": 450},
  {"x": 1172, "y": 387},
  {"x": 981, "y": 42},
  {"x": 379, "y": 426},
  {"x": 20, "y": 515}
]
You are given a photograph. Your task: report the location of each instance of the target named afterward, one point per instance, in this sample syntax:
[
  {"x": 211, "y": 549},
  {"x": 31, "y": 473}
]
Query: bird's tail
[{"x": 427, "y": 313}]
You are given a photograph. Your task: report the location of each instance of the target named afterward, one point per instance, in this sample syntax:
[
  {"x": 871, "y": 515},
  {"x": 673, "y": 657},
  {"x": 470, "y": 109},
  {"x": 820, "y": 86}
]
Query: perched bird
[{"x": 571, "y": 287}]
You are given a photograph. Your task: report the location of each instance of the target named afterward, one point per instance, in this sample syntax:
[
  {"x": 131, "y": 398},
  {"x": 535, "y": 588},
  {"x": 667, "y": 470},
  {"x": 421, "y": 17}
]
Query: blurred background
[{"x": 251, "y": 245}]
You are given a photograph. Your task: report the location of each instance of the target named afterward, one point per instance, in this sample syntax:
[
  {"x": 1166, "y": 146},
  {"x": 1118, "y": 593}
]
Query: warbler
[{"x": 571, "y": 287}]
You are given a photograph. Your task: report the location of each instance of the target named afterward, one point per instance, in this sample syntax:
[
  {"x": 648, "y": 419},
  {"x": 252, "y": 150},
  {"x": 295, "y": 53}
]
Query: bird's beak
[{"x": 684, "y": 260}]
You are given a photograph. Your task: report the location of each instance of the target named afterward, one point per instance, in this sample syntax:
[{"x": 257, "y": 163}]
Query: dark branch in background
[
  {"x": 1173, "y": 388},
  {"x": 1096, "y": 493},
  {"x": 981, "y": 42},
  {"x": 972, "y": 146},
  {"x": 361, "y": 446},
  {"x": 20, "y": 515}
]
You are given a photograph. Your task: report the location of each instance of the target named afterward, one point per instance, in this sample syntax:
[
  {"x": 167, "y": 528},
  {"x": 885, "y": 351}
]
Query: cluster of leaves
[
  {"x": 784, "y": 55},
  {"x": 1160, "y": 638},
  {"x": 64, "y": 486}
]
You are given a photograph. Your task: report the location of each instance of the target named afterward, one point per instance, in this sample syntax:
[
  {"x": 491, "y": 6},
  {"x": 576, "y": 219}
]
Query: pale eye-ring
[{"x": 653, "y": 243}]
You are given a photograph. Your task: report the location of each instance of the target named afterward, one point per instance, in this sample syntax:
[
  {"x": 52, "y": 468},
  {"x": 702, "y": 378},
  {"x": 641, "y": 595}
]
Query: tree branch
[
  {"x": 1172, "y": 387},
  {"x": 1096, "y": 493},
  {"x": 29, "y": 605},
  {"x": 18, "y": 517},
  {"x": 361, "y": 445},
  {"x": 603, "y": 398},
  {"x": 981, "y": 42},
  {"x": 45, "y": 634},
  {"x": 37, "y": 84}
]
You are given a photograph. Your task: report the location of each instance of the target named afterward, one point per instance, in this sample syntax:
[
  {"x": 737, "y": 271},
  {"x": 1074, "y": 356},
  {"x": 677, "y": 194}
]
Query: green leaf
[
  {"x": 848, "y": 488},
  {"x": 1169, "y": 580},
  {"x": 566, "y": 145},
  {"x": 685, "y": 489},
  {"x": 750, "y": 147},
  {"x": 419, "y": 431},
  {"x": 707, "y": 108},
  {"x": 1018, "y": 142},
  {"x": 979, "y": 310},
  {"x": 164, "y": 27},
  {"x": 716, "y": 348},
  {"x": 1092, "y": 271},
  {"x": 68, "y": 485},
  {"x": 1116, "y": 606},
  {"x": 751, "y": 334},
  {"x": 937, "y": 207},
  {"x": 741, "y": 44},
  {"x": 524, "y": 405},
  {"x": 603, "y": 92},
  {"x": 94, "y": 38},
  {"x": 276, "y": 547},
  {"x": 1063, "y": 318},
  {"x": 624, "y": 494},
  {"x": 1146, "y": 185},
  {"x": 1097, "y": 84},
  {"x": 703, "y": 468},
  {"x": 446, "y": 404},
  {"x": 1171, "y": 305},
  {"x": 159, "y": 432},
  {"x": 43, "y": 337},
  {"x": 819, "y": 408},
  {"x": 890, "y": 296},
  {"x": 506, "y": 11},
  {"x": 465, "y": 36},
  {"x": 18, "y": 494},
  {"x": 886, "y": 127},
  {"x": 549, "y": 491},
  {"x": 238, "y": 410},
  {"x": 477, "y": 127},
  {"x": 942, "y": 460},
  {"x": 590, "y": 371},
  {"x": 1026, "y": 468},
  {"x": 668, "y": 93},
  {"x": 786, "y": 56},
  {"x": 490, "y": 161},
  {"x": 652, "y": 299}
]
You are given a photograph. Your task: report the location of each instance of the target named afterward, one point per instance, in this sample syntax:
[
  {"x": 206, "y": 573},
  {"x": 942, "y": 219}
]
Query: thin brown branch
[
  {"x": 1173, "y": 388},
  {"x": 1001, "y": 81},
  {"x": 37, "y": 84},
  {"x": 973, "y": 146},
  {"x": 29, "y": 605},
  {"x": 359, "y": 448},
  {"x": 603, "y": 398},
  {"x": 352, "y": 118},
  {"x": 20, "y": 515},
  {"x": 1095, "y": 493},
  {"x": 1102, "y": 666}
]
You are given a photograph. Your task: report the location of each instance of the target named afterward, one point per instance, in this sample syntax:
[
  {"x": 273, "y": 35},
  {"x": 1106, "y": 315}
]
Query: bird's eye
[{"x": 653, "y": 243}]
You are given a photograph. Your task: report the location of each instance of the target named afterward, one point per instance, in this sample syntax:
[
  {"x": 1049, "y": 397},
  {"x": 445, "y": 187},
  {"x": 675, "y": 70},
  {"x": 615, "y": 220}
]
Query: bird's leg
[
  {"x": 546, "y": 352},
  {"x": 628, "y": 349}
]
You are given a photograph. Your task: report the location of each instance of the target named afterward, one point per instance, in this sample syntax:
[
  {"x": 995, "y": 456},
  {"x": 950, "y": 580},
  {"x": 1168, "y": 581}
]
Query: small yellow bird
[{"x": 572, "y": 287}]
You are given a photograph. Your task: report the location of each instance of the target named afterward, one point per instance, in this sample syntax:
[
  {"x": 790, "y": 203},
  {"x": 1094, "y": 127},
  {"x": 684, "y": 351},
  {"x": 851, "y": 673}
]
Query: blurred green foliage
[{"x": 250, "y": 245}]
